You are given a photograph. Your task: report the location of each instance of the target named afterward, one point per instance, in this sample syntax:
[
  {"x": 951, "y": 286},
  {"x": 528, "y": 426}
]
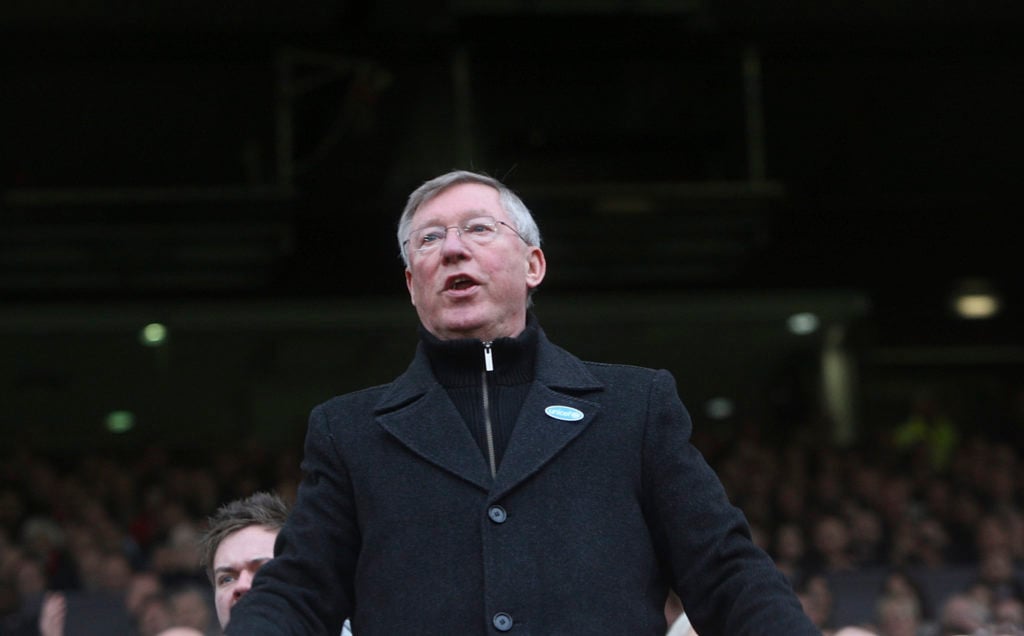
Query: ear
[
  {"x": 536, "y": 266},
  {"x": 408, "y": 285}
]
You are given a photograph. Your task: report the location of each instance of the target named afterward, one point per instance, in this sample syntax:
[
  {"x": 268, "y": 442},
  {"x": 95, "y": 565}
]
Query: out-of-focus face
[
  {"x": 997, "y": 567},
  {"x": 142, "y": 586},
  {"x": 189, "y": 609},
  {"x": 464, "y": 290},
  {"x": 899, "y": 620},
  {"x": 898, "y": 586},
  {"x": 116, "y": 573},
  {"x": 790, "y": 542},
  {"x": 181, "y": 631},
  {"x": 30, "y": 579},
  {"x": 830, "y": 535},
  {"x": 235, "y": 563},
  {"x": 154, "y": 617},
  {"x": 1009, "y": 611}
]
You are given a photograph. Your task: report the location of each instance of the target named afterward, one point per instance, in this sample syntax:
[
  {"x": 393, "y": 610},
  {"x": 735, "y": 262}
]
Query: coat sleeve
[
  {"x": 727, "y": 584},
  {"x": 307, "y": 588}
]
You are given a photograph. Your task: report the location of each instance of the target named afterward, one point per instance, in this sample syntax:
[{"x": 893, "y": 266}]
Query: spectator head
[
  {"x": 190, "y": 607},
  {"x": 899, "y": 584},
  {"x": 962, "y": 614},
  {"x": 898, "y": 615},
  {"x": 42, "y": 536},
  {"x": 142, "y": 586},
  {"x": 180, "y": 631},
  {"x": 996, "y": 567},
  {"x": 239, "y": 540},
  {"x": 1009, "y": 612},
  {"x": 30, "y": 579},
  {"x": 115, "y": 572},
  {"x": 789, "y": 542},
  {"x": 154, "y": 615},
  {"x": 992, "y": 535},
  {"x": 831, "y": 541},
  {"x": 815, "y": 596}
]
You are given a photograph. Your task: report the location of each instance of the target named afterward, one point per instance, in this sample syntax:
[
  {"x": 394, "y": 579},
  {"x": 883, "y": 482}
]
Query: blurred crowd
[
  {"x": 909, "y": 535},
  {"x": 894, "y": 538},
  {"x": 107, "y": 543}
]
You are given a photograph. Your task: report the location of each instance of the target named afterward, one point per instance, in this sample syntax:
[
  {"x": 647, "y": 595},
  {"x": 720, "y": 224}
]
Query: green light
[
  {"x": 803, "y": 323},
  {"x": 719, "y": 408},
  {"x": 153, "y": 335},
  {"x": 120, "y": 421}
]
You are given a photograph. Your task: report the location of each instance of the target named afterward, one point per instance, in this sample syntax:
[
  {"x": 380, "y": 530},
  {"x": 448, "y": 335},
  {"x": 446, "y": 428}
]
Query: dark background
[{"x": 700, "y": 170}]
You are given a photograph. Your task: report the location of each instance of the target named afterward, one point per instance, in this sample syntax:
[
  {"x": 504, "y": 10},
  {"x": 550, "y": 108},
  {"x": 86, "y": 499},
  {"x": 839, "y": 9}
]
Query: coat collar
[{"x": 417, "y": 411}]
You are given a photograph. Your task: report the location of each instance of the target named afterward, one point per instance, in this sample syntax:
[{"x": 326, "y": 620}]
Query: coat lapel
[
  {"x": 537, "y": 436},
  {"x": 418, "y": 412}
]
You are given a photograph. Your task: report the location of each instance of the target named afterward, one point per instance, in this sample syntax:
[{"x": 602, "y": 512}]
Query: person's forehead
[
  {"x": 144, "y": 581},
  {"x": 458, "y": 200},
  {"x": 251, "y": 542}
]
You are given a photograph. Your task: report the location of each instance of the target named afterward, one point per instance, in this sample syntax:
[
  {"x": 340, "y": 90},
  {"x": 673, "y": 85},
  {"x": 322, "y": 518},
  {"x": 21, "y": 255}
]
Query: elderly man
[{"x": 502, "y": 485}]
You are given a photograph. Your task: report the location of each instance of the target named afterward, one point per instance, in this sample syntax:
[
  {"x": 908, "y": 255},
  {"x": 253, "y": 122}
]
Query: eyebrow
[
  {"x": 465, "y": 215},
  {"x": 234, "y": 567}
]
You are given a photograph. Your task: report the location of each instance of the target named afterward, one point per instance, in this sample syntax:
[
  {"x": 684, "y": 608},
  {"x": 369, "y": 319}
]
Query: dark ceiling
[
  {"x": 263, "y": 149},
  {"x": 699, "y": 168}
]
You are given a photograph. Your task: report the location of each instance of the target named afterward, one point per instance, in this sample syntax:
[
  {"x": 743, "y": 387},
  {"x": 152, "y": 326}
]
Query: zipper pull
[{"x": 488, "y": 358}]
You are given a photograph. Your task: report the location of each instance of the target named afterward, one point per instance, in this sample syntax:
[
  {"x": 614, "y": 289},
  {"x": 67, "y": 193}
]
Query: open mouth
[{"x": 460, "y": 282}]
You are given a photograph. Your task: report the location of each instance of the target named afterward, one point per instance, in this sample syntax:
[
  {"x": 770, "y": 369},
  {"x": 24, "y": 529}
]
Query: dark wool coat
[{"x": 399, "y": 524}]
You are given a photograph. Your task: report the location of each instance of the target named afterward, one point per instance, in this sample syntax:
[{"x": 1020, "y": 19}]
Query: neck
[
  {"x": 489, "y": 333},
  {"x": 458, "y": 362}
]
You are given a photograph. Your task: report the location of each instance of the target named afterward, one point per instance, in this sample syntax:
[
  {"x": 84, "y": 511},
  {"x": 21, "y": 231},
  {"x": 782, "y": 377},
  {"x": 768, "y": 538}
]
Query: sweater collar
[{"x": 459, "y": 362}]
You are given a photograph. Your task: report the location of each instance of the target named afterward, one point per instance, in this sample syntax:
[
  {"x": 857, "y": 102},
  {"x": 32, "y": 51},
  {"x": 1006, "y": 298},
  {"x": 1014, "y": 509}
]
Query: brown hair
[{"x": 259, "y": 509}]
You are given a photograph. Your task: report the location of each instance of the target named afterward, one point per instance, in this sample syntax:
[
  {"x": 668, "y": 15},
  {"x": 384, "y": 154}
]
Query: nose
[
  {"x": 242, "y": 586},
  {"x": 453, "y": 247}
]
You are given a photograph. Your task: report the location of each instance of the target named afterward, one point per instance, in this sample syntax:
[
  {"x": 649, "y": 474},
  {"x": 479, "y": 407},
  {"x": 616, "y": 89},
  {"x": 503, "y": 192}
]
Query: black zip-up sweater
[{"x": 459, "y": 366}]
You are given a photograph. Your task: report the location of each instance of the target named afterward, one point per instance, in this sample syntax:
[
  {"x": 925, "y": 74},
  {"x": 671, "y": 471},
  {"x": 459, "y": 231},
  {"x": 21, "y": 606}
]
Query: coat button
[
  {"x": 497, "y": 514},
  {"x": 502, "y": 622}
]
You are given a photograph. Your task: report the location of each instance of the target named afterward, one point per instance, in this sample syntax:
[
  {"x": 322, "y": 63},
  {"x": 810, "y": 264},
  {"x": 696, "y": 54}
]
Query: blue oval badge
[{"x": 564, "y": 413}]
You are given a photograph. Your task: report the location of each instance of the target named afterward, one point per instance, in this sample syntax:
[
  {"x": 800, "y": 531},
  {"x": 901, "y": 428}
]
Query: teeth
[{"x": 460, "y": 283}]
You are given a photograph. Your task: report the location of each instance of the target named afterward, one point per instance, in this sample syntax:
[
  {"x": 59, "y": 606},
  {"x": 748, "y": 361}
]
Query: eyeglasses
[{"x": 479, "y": 230}]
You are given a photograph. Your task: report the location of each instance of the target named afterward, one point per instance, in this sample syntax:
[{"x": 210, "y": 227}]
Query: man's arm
[
  {"x": 727, "y": 584},
  {"x": 307, "y": 588}
]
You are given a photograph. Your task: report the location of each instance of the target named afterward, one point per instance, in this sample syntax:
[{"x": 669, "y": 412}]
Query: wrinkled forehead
[{"x": 459, "y": 202}]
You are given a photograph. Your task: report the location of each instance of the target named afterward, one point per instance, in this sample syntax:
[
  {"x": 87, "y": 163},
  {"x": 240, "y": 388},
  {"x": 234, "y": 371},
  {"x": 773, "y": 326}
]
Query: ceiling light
[
  {"x": 719, "y": 408},
  {"x": 975, "y": 299},
  {"x": 153, "y": 335},
  {"x": 976, "y": 306},
  {"x": 803, "y": 323},
  {"x": 120, "y": 421}
]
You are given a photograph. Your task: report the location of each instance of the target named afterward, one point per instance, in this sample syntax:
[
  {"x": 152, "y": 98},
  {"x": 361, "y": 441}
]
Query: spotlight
[
  {"x": 153, "y": 335},
  {"x": 975, "y": 299},
  {"x": 120, "y": 421},
  {"x": 803, "y": 323}
]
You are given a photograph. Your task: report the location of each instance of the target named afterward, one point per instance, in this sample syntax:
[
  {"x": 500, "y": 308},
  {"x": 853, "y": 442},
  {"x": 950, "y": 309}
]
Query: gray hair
[{"x": 510, "y": 203}]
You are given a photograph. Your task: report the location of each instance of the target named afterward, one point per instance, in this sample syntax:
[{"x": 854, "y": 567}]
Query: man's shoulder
[
  {"x": 620, "y": 370},
  {"x": 619, "y": 367},
  {"x": 604, "y": 371},
  {"x": 366, "y": 397}
]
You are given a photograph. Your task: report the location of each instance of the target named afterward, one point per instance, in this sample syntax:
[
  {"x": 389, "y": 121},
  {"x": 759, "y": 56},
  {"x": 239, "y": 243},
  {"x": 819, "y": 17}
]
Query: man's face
[
  {"x": 236, "y": 561},
  {"x": 464, "y": 290}
]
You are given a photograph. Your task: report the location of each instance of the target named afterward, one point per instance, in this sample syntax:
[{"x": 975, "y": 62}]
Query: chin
[
  {"x": 463, "y": 324},
  {"x": 456, "y": 332}
]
